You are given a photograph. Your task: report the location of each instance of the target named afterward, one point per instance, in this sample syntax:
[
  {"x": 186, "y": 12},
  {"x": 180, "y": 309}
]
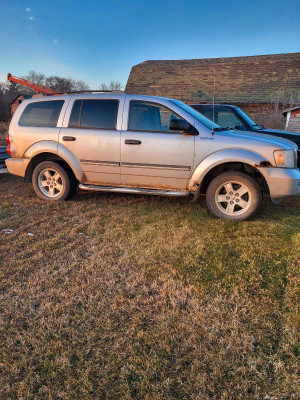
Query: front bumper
[
  {"x": 282, "y": 182},
  {"x": 17, "y": 166}
]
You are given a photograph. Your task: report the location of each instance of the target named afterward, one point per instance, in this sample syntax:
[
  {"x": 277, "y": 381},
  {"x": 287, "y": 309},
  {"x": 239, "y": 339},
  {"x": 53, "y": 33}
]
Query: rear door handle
[
  {"x": 69, "y": 138},
  {"x": 132, "y": 141}
]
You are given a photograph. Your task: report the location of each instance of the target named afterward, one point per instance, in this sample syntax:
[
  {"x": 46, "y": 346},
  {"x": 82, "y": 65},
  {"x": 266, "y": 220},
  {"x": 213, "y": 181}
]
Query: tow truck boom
[{"x": 34, "y": 86}]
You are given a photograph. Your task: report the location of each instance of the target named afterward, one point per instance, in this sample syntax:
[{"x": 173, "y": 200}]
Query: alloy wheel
[
  {"x": 233, "y": 198},
  {"x": 50, "y": 182}
]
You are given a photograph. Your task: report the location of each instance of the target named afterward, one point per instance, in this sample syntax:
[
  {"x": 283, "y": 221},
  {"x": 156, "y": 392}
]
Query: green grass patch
[{"x": 134, "y": 297}]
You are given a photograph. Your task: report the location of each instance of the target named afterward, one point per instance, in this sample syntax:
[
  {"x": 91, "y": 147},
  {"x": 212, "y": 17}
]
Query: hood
[
  {"x": 280, "y": 132},
  {"x": 263, "y": 138}
]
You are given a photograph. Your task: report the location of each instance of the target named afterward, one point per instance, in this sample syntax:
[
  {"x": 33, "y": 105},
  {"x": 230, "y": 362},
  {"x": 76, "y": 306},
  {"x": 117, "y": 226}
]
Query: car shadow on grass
[{"x": 12, "y": 186}]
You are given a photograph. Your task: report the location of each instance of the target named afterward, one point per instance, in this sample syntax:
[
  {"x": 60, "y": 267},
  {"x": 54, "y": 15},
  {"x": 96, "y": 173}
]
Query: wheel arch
[
  {"x": 52, "y": 151},
  {"x": 228, "y": 160},
  {"x": 45, "y": 156},
  {"x": 247, "y": 169}
]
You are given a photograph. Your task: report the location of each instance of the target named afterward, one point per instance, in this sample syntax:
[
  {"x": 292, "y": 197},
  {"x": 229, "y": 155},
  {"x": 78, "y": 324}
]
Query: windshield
[
  {"x": 196, "y": 114},
  {"x": 248, "y": 120}
]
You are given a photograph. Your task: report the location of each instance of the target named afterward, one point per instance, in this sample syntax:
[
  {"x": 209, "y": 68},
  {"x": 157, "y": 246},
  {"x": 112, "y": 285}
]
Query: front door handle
[
  {"x": 132, "y": 141},
  {"x": 69, "y": 138}
]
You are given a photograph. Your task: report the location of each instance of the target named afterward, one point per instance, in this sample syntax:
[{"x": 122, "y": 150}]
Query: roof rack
[{"x": 91, "y": 91}]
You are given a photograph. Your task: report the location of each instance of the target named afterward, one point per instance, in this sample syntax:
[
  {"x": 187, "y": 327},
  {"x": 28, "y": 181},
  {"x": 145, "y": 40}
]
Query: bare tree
[
  {"x": 113, "y": 85},
  {"x": 10, "y": 90},
  {"x": 271, "y": 116},
  {"x": 58, "y": 83},
  {"x": 35, "y": 77},
  {"x": 55, "y": 82},
  {"x": 65, "y": 84}
]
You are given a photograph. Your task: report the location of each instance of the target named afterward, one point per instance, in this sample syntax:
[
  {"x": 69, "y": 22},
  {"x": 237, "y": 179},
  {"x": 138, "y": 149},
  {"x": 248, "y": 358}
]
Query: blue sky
[{"x": 99, "y": 41}]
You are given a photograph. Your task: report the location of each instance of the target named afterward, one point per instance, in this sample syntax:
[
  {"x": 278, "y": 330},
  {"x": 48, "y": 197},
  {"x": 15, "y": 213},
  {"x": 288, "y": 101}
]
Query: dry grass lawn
[{"x": 131, "y": 297}]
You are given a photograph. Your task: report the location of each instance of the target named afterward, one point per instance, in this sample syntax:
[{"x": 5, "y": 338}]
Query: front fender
[
  {"x": 222, "y": 157},
  {"x": 48, "y": 146}
]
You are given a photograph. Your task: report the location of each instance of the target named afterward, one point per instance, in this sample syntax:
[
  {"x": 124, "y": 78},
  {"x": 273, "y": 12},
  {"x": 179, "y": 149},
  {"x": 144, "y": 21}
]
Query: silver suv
[{"x": 148, "y": 145}]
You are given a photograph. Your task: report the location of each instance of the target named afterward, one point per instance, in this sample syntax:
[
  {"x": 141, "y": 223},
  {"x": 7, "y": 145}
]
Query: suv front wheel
[
  {"x": 234, "y": 196},
  {"x": 51, "y": 181}
]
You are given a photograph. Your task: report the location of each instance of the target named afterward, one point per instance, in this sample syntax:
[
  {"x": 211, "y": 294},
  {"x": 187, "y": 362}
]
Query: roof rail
[{"x": 90, "y": 91}]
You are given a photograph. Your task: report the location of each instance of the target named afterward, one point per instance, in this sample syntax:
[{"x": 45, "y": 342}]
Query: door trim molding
[
  {"x": 156, "y": 166},
  {"x": 105, "y": 163},
  {"x": 136, "y": 165}
]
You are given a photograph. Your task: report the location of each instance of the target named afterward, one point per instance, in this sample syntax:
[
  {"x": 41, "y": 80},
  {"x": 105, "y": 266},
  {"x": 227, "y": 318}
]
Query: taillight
[{"x": 8, "y": 144}]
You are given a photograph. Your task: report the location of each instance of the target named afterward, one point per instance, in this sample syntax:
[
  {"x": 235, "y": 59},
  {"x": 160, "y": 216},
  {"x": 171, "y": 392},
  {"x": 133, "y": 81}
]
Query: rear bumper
[
  {"x": 282, "y": 182},
  {"x": 17, "y": 166}
]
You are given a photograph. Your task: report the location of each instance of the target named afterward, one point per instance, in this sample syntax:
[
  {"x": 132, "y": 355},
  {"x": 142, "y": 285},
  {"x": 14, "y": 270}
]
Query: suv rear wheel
[
  {"x": 233, "y": 196},
  {"x": 51, "y": 181}
]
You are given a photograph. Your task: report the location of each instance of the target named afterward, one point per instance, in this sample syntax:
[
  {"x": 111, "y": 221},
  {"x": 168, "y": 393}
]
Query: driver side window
[{"x": 150, "y": 117}]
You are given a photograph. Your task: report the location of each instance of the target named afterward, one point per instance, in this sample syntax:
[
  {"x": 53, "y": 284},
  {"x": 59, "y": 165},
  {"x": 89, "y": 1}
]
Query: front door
[
  {"x": 151, "y": 154},
  {"x": 92, "y": 134}
]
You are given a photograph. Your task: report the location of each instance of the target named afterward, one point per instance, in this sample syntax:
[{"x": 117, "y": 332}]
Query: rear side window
[
  {"x": 94, "y": 114},
  {"x": 42, "y": 113}
]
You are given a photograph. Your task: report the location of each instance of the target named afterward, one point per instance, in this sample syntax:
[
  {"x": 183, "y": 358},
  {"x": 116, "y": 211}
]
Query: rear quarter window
[{"x": 41, "y": 113}]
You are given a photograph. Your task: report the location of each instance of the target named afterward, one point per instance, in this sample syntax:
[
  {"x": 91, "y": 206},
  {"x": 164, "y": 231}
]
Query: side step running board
[{"x": 118, "y": 189}]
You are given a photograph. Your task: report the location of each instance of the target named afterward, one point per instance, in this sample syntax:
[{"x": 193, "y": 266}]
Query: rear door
[
  {"x": 151, "y": 154},
  {"x": 92, "y": 132}
]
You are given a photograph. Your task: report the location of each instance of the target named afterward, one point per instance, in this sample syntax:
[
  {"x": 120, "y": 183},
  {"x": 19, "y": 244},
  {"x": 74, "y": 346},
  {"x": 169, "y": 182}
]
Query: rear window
[
  {"x": 42, "y": 113},
  {"x": 94, "y": 114}
]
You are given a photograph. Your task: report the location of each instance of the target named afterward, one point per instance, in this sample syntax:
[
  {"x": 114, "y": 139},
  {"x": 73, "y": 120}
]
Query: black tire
[
  {"x": 60, "y": 187},
  {"x": 236, "y": 206},
  {"x": 74, "y": 187}
]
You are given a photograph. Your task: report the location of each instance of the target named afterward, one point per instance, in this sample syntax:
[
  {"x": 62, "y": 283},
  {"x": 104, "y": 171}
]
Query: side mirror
[{"x": 182, "y": 125}]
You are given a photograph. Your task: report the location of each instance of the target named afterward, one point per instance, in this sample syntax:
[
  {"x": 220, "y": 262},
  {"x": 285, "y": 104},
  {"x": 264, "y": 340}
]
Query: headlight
[{"x": 284, "y": 158}]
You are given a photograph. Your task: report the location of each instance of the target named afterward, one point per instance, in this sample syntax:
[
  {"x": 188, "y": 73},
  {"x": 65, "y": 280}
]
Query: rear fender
[{"x": 57, "y": 149}]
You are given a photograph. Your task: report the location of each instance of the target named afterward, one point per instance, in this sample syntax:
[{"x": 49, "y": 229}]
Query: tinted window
[
  {"x": 144, "y": 116},
  {"x": 99, "y": 114},
  {"x": 208, "y": 112},
  {"x": 226, "y": 118},
  {"x": 74, "y": 120},
  {"x": 198, "y": 107},
  {"x": 201, "y": 118},
  {"x": 223, "y": 116},
  {"x": 42, "y": 113}
]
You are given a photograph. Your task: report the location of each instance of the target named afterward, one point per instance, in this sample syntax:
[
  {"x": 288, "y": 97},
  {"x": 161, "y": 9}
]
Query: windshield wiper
[
  {"x": 222, "y": 129},
  {"x": 260, "y": 126}
]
